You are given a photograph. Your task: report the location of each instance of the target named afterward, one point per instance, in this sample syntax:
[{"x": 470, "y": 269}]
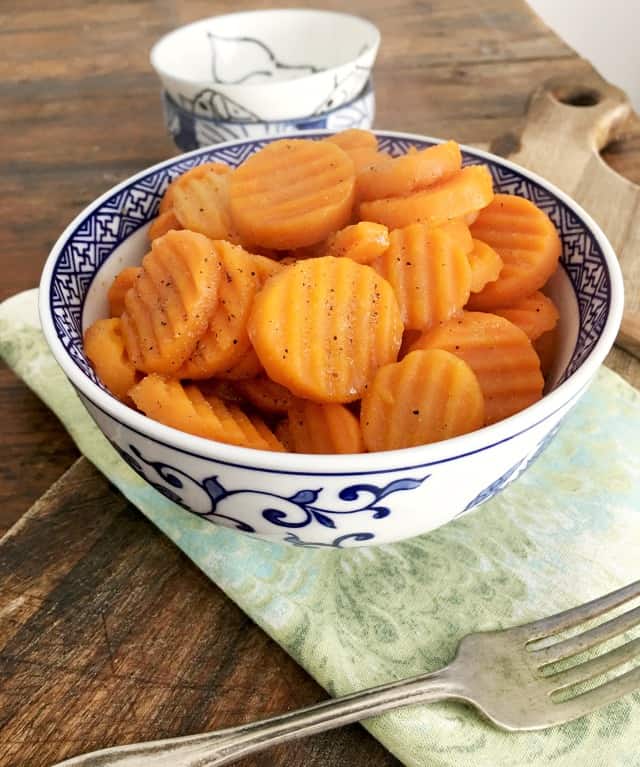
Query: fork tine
[
  {"x": 601, "y": 696},
  {"x": 576, "y": 615},
  {"x": 587, "y": 639},
  {"x": 596, "y": 666}
]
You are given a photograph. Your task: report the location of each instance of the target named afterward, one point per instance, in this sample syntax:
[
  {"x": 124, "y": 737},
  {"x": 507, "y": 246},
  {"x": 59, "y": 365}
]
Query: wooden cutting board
[{"x": 109, "y": 635}]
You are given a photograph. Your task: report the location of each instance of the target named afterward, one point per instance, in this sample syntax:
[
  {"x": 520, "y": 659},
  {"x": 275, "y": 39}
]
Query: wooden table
[{"x": 80, "y": 112}]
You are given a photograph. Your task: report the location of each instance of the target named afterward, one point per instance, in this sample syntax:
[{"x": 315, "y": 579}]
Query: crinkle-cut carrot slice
[
  {"x": 162, "y": 224},
  {"x": 459, "y": 230},
  {"x": 319, "y": 429},
  {"x": 400, "y": 176},
  {"x": 265, "y": 394},
  {"x": 104, "y": 346},
  {"x": 215, "y": 168},
  {"x": 354, "y": 138},
  {"x": 469, "y": 189},
  {"x": 226, "y": 340},
  {"x": 292, "y": 193},
  {"x": 535, "y": 314},
  {"x": 184, "y": 407},
  {"x": 201, "y": 203},
  {"x": 528, "y": 243},
  {"x": 363, "y": 242},
  {"x": 429, "y": 273},
  {"x": 119, "y": 289},
  {"x": 266, "y": 267},
  {"x": 249, "y": 366},
  {"x": 409, "y": 337},
  {"x": 485, "y": 263},
  {"x": 283, "y": 434},
  {"x": 323, "y": 326},
  {"x": 546, "y": 346},
  {"x": 469, "y": 218},
  {"x": 225, "y": 390},
  {"x": 169, "y": 305},
  {"x": 499, "y": 353},
  {"x": 427, "y": 397},
  {"x": 364, "y": 158}
]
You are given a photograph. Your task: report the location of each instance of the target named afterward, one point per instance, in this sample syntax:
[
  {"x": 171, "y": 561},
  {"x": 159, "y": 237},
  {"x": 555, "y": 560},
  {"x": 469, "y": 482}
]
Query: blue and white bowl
[
  {"x": 191, "y": 130},
  {"x": 326, "y": 500}
]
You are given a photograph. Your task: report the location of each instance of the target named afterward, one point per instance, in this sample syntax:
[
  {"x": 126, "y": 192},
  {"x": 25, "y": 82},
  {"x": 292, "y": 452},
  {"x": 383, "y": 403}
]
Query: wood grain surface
[{"x": 113, "y": 636}]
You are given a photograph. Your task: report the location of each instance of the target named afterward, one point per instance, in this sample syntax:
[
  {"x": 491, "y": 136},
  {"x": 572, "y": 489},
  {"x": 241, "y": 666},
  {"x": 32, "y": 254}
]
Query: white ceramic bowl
[
  {"x": 270, "y": 65},
  {"x": 190, "y": 131},
  {"x": 326, "y": 500}
]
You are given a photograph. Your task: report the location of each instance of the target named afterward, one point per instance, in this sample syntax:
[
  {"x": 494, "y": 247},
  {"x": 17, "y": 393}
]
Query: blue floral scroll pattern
[{"x": 296, "y": 511}]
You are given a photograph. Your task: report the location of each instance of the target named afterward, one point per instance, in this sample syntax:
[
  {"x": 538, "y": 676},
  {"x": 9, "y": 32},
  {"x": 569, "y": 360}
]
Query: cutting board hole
[{"x": 578, "y": 97}]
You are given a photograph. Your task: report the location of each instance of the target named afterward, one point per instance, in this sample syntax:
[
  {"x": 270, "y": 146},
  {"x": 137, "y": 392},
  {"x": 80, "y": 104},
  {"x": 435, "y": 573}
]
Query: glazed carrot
[
  {"x": 322, "y": 326},
  {"x": 163, "y": 223},
  {"x": 363, "y": 242},
  {"x": 265, "y": 394},
  {"x": 248, "y": 366},
  {"x": 467, "y": 190},
  {"x": 216, "y": 168},
  {"x": 528, "y": 243},
  {"x": 400, "y": 176},
  {"x": 104, "y": 346},
  {"x": 119, "y": 288},
  {"x": 201, "y": 204},
  {"x": 354, "y": 138},
  {"x": 429, "y": 273},
  {"x": 184, "y": 407},
  {"x": 535, "y": 314},
  {"x": 168, "y": 308},
  {"x": 331, "y": 428},
  {"x": 292, "y": 193},
  {"x": 499, "y": 353},
  {"x": 428, "y": 396},
  {"x": 226, "y": 340},
  {"x": 485, "y": 264},
  {"x": 546, "y": 347}
]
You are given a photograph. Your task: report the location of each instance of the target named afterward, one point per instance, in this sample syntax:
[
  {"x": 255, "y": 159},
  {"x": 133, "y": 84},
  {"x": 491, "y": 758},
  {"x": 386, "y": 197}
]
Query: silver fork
[{"x": 508, "y": 675}]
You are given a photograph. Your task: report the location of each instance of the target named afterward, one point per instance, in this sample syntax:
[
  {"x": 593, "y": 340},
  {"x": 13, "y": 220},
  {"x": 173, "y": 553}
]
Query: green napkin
[{"x": 565, "y": 532}]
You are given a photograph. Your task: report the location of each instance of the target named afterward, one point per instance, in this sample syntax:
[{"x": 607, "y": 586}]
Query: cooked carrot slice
[
  {"x": 163, "y": 223},
  {"x": 322, "y": 326},
  {"x": 459, "y": 230},
  {"x": 499, "y": 353},
  {"x": 225, "y": 390},
  {"x": 535, "y": 314},
  {"x": 201, "y": 203},
  {"x": 265, "y": 394},
  {"x": 119, "y": 288},
  {"x": 546, "y": 346},
  {"x": 528, "y": 243},
  {"x": 283, "y": 434},
  {"x": 217, "y": 168},
  {"x": 331, "y": 428},
  {"x": 428, "y": 396},
  {"x": 429, "y": 273},
  {"x": 485, "y": 263},
  {"x": 363, "y": 242},
  {"x": 469, "y": 189},
  {"x": 226, "y": 340},
  {"x": 354, "y": 138},
  {"x": 292, "y": 193},
  {"x": 184, "y": 407},
  {"x": 104, "y": 346},
  {"x": 168, "y": 308},
  {"x": 364, "y": 158},
  {"x": 266, "y": 267},
  {"x": 400, "y": 176},
  {"x": 249, "y": 366}
]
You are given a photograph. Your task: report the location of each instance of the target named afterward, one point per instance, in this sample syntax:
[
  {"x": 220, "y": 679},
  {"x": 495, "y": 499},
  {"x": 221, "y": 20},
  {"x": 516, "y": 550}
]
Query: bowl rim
[
  {"x": 366, "y": 92},
  {"x": 358, "y": 463},
  {"x": 248, "y": 88}
]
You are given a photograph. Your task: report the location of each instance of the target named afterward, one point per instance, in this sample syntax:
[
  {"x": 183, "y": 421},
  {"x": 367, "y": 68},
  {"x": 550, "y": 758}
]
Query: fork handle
[{"x": 225, "y": 746}]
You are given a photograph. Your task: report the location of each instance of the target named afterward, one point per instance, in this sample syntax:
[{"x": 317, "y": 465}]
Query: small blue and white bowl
[
  {"x": 191, "y": 130},
  {"x": 330, "y": 500}
]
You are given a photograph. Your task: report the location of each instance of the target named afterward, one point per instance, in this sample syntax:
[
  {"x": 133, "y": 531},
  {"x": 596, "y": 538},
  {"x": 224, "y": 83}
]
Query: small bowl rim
[
  {"x": 357, "y": 463},
  {"x": 162, "y": 72},
  {"x": 366, "y": 91}
]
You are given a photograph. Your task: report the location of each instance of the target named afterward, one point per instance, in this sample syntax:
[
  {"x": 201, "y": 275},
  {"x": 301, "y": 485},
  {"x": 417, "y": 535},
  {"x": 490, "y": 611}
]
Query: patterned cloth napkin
[{"x": 565, "y": 532}]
